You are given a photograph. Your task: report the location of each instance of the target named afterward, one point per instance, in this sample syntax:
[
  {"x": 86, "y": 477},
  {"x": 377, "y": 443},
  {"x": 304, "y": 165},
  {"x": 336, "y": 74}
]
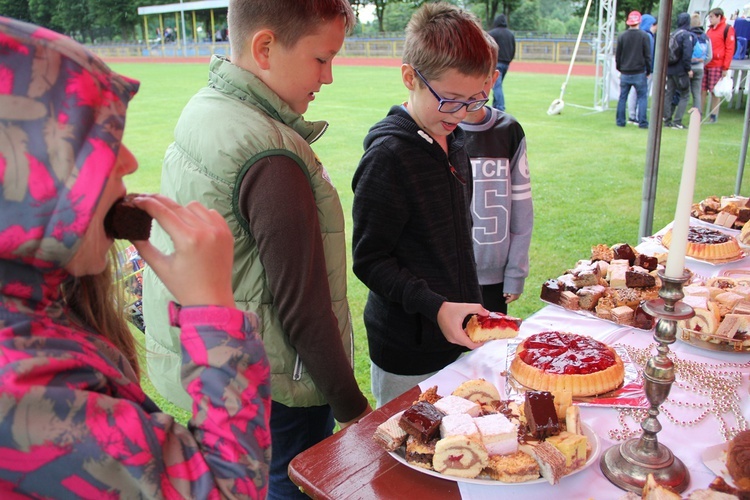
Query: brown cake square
[
  {"x": 125, "y": 221},
  {"x": 540, "y": 413},
  {"x": 422, "y": 420}
]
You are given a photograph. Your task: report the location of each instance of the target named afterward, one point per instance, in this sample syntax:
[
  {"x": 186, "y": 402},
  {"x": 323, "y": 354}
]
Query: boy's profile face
[
  {"x": 423, "y": 105},
  {"x": 297, "y": 73}
]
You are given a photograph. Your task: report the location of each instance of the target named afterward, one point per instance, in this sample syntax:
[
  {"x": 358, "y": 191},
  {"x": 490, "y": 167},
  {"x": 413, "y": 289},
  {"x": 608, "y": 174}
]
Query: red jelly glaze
[
  {"x": 566, "y": 353},
  {"x": 498, "y": 320}
]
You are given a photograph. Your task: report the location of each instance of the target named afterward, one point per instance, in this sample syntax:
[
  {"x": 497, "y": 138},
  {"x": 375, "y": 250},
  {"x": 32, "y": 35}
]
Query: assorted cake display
[
  {"x": 612, "y": 285},
  {"x": 708, "y": 244},
  {"x": 566, "y": 362},
  {"x": 472, "y": 433},
  {"x": 722, "y": 313},
  {"x": 726, "y": 211}
]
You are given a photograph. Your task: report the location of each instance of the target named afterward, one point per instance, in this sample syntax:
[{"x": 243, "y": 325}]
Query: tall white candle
[{"x": 676, "y": 257}]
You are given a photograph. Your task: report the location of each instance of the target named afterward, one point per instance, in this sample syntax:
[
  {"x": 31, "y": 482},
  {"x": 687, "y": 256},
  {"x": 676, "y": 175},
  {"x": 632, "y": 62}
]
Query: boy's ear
[
  {"x": 408, "y": 76},
  {"x": 260, "y": 47},
  {"x": 493, "y": 77}
]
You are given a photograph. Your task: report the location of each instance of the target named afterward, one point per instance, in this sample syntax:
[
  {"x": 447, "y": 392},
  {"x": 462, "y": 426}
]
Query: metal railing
[{"x": 527, "y": 49}]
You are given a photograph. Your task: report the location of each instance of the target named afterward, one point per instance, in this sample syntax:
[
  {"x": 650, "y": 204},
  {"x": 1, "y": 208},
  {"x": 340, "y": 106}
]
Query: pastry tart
[
  {"x": 708, "y": 244},
  {"x": 556, "y": 361}
]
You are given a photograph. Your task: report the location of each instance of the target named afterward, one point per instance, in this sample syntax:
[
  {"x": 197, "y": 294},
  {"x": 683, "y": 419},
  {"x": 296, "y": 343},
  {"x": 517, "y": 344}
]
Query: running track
[{"x": 516, "y": 66}]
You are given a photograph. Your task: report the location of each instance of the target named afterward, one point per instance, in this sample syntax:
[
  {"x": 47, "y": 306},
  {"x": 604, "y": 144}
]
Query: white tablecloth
[{"x": 489, "y": 362}]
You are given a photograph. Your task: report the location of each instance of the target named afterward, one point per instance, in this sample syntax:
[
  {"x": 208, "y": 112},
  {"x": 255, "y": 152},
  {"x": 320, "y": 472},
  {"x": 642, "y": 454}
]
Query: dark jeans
[
  {"x": 293, "y": 430},
  {"x": 640, "y": 83},
  {"x": 498, "y": 98},
  {"x": 673, "y": 86},
  {"x": 492, "y": 298}
]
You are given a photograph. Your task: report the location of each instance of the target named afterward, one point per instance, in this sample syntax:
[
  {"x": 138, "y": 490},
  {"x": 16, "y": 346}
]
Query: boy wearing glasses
[
  {"x": 254, "y": 165},
  {"x": 412, "y": 192},
  {"x": 501, "y": 207}
]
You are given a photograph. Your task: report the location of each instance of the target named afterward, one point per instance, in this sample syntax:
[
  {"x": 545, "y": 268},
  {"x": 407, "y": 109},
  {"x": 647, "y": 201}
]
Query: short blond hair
[
  {"x": 695, "y": 20},
  {"x": 289, "y": 20},
  {"x": 441, "y": 36}
]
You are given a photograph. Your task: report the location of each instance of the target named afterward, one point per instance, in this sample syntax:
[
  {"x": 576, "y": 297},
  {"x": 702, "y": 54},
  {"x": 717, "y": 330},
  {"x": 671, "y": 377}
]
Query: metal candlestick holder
[{"x": 628, "y": 464}]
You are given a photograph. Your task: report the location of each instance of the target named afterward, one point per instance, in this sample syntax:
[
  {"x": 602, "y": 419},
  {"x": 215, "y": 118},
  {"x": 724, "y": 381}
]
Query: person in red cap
[{"x": 633, "y": 61}]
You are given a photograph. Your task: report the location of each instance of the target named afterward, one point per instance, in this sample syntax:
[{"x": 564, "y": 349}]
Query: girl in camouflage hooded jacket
[{"x": 74, "y": 421}]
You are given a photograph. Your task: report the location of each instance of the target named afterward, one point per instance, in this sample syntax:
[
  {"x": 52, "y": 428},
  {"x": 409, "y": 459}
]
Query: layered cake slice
[
  {"x": 460, "y": 424},
  {"x": 573, "y": 447},
  {"x": 493, "y": 326},
  {"x": 517, "y": 467},
  {"x": 499, "y": 435},
  {"x": 551, "y": 462}
]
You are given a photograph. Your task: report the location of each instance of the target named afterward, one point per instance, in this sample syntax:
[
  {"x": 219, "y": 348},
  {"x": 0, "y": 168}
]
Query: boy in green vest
[
  {"x": 243, "y": 149},
  {"x": 412, "y": 241}
]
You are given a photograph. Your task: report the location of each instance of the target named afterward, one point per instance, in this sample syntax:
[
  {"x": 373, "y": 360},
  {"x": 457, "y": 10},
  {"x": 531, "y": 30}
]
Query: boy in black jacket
[{"x": 412, "y": 191}]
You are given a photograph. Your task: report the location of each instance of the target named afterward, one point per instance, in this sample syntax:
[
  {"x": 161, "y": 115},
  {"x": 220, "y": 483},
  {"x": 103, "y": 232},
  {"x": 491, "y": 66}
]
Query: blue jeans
[
  {"x": 293, "y": 430},
  {"x": 498, "y": 99},
  {"x": 640, "y": 83}
]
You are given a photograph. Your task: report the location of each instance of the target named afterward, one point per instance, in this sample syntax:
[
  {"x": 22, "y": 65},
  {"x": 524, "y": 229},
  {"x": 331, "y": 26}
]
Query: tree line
[{"x": 92, "y": 21}]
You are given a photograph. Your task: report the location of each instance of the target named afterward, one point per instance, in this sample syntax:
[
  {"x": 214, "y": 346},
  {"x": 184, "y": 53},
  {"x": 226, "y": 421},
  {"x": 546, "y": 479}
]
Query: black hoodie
[
  {"x": 683, "y": 35},
  {"x": 412, "y": 242}
]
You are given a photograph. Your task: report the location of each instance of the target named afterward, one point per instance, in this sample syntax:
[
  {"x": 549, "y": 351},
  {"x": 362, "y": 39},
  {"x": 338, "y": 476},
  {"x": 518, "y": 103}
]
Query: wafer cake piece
[
  {"x": 622, "y": 315},
  {"x": 389, "y": 434},
  {"x": 550, "y": 460}
]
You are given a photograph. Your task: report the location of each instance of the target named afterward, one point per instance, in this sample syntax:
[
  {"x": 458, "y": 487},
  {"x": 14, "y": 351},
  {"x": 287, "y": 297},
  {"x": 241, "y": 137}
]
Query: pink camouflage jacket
[{"x": 74, "y": 422}]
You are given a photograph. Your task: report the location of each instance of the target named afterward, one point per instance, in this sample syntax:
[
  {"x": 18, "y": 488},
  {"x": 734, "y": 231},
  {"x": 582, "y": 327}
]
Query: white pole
[{"x": 184, "y": 38}]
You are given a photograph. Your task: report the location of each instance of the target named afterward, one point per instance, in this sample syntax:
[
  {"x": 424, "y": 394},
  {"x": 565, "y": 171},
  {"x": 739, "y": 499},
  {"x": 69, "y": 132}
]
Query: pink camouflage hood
[{"x": 62, "y": 115}]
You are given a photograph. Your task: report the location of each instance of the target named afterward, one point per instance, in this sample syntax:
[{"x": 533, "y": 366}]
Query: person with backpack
[
  {"x": 679, "y": 71},
  {"x": 633, "y": 61},
  {"x": 722, "y": 45},
  {"x": 701, "y": 56}
]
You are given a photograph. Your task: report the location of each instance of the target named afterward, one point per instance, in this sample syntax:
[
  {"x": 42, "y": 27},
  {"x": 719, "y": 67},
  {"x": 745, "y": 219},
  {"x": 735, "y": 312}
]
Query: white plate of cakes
[
  {"x": 593, "y": 440},
  {"x": 474, "y": 436}
]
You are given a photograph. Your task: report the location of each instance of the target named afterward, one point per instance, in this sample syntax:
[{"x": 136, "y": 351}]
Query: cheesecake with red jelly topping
[
  {"x": 555, "y": 361},
  {"x": 493, "y": 326},
  {"x": 708, "y": 244}
]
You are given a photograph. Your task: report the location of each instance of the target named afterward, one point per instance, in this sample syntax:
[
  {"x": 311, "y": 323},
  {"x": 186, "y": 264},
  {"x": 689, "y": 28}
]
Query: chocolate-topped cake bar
[
  {"x": 540, "y": 413},
  {"x": 422, "y": 421}
]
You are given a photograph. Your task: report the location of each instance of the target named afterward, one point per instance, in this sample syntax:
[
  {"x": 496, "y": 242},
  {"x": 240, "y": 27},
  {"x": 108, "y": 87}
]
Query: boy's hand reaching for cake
[
  {"x": 199, "y": 271},
  {"x": 451, "y": 322}
]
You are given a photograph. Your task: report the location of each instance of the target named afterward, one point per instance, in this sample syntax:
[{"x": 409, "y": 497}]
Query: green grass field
[{"x": 587, "y": 174}]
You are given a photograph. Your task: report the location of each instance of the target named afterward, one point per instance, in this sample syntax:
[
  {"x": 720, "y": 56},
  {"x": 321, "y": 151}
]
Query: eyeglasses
[{"x": 454, "y": 105}]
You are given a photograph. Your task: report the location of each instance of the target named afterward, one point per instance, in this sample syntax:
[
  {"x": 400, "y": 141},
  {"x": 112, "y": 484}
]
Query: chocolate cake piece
[
  {"x": 540, "y": 413},
  {"x": 624, "y": 251},
  {"x": 551, "y": 290},
  {"x": 642, "y": 319},
  {"x": 125, "y": 221},
  {"x": 422, "y": 421},
  {"x": 647, "y": 262},
  {"x": 638, "y": 278}
]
